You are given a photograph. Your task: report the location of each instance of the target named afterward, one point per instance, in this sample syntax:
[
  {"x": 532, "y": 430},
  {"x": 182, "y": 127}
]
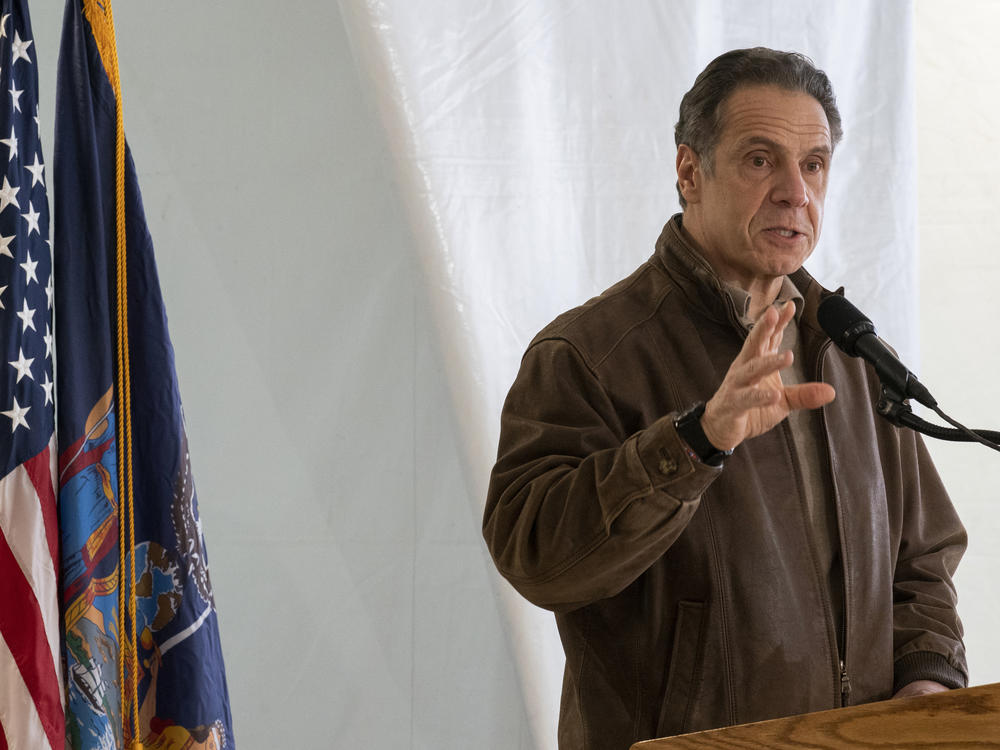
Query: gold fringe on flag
[{"x": 99, "y": 15}]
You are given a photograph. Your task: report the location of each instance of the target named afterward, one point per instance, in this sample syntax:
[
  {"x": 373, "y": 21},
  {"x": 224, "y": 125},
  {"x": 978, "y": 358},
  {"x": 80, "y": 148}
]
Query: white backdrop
[
  {"x": 355, "y": 251},
  {"x": 534, "y": 143},
  {"x": 959, "y": 224}
]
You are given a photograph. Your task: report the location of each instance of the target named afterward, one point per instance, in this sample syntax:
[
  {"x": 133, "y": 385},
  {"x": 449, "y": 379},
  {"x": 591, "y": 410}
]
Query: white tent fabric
[{"x": 534, "y": 147}]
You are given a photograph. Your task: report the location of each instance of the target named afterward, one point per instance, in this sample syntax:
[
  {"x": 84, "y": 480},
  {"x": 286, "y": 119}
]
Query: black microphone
[{"x": 855, "y": 335}]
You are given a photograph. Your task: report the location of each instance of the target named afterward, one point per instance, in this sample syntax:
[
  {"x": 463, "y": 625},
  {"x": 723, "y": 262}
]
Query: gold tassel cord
[{"x": 100, "y": 17}]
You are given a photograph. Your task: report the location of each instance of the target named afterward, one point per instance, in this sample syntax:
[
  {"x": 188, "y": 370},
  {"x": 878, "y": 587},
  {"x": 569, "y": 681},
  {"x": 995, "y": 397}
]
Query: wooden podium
[{"x": 968, "y": 718}]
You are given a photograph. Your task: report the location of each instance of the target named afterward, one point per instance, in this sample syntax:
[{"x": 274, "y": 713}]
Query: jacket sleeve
[
  {"x": 927, "y": 631},
  {"x": 577, "y": 510}
]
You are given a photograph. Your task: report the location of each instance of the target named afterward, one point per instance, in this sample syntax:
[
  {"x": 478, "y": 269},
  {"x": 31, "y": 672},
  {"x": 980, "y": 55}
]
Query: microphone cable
[{"x": 978, "y": 436}]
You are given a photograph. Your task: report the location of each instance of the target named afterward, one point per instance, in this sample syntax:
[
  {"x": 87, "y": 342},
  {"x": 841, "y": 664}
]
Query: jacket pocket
[{"x": 684, "y": 676}]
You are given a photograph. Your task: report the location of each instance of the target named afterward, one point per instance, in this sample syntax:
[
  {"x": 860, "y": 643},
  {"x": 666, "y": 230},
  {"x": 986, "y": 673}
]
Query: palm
[{"x": 760, "y": 419}]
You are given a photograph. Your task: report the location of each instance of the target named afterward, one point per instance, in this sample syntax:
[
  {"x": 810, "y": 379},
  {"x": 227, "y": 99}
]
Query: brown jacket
[{"x": 690, "y": 597}]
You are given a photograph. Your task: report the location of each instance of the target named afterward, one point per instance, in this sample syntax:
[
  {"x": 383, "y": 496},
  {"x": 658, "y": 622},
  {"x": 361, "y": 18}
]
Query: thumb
[{"x": 809, "y": 395}]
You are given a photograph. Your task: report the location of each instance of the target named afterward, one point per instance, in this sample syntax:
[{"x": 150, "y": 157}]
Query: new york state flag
[{"x": 142, "y": 643}]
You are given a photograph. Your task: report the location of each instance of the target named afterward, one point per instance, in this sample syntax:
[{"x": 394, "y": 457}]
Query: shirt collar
[{"x": 741, "y": 299}]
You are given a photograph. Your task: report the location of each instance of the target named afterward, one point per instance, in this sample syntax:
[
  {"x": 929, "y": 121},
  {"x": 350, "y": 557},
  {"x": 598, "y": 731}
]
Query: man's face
[{"x": 757, "y": 213}]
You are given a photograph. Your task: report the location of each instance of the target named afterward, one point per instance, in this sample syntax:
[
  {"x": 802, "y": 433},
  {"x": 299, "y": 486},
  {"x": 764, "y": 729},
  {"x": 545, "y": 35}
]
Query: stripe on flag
[{"x": 31, "y": 679}]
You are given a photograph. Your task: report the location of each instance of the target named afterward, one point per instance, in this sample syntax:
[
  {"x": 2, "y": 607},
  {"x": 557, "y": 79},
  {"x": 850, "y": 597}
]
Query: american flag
[{"x": 31, "y": 709}]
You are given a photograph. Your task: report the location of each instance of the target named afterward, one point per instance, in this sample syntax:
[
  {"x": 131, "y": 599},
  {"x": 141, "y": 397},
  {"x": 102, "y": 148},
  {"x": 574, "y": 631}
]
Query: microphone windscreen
[{"x": 843, "y": 322}]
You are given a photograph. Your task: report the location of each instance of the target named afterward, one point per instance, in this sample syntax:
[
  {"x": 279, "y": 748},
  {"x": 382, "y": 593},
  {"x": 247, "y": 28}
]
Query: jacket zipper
[
  {"x": 845, "y": 679},
  {"x": 845, "y": 684}
]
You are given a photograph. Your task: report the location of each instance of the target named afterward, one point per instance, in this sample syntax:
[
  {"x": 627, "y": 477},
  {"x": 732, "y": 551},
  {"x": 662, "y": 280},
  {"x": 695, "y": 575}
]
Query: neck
[{"x": 762, "y": 293}]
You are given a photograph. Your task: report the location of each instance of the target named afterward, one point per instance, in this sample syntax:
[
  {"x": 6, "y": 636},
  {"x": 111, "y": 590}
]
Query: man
[{"x": 696, "y": 481}]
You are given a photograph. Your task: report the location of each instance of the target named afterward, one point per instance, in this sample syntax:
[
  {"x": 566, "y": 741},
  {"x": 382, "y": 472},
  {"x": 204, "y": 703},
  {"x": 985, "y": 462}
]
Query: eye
[
  {"x": 758, "y": 161},
  {"x": 814, "y": 166}
]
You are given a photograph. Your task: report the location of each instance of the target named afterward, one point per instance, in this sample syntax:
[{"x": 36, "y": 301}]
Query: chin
[{"x": 788, "y": 261}]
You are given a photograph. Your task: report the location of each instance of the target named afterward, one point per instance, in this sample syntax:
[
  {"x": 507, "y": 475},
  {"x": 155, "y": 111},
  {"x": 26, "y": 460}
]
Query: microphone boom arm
[{"x": 893, "y": 406}]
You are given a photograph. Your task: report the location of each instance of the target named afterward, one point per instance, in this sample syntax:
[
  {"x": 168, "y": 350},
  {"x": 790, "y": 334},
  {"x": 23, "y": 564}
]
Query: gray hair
[{"x": 700, "y": 123}]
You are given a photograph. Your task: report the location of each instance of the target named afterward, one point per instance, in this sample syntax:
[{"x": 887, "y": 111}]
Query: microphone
[{"x": 855, "y": 334}]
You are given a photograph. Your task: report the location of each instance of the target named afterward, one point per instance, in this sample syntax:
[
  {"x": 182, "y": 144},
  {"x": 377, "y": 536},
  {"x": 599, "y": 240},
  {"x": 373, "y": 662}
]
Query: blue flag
[{"x": 144, "y": 662}]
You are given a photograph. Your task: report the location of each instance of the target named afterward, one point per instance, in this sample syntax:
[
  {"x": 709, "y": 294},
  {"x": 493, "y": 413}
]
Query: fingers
[
  {"x": 769, "y": 329},
  {"x": 750, "y": 371},
  {"x": 776, "y": 330},
  {"x": 759, "y": 340},
  {"x": 785, "y": 315}
]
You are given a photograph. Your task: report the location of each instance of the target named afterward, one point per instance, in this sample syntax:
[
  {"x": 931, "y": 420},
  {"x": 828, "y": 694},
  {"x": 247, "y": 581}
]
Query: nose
[{"x": 790, "y": 187}]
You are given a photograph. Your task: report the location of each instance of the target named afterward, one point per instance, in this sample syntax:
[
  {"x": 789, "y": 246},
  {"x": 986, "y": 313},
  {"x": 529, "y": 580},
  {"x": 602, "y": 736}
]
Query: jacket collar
[{"x": 677, "y": 254}]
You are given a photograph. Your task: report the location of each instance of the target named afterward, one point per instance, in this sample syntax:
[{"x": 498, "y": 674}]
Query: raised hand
[{"x": 752, "y": 399}]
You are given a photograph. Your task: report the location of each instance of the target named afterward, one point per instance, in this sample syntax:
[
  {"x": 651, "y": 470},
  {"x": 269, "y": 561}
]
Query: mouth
[{"x": 786, "y": 232}]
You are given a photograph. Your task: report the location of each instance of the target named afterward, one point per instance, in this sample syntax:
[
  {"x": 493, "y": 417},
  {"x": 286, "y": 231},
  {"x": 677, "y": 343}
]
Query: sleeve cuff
[
  {"x": 927, "y": 665},
  {"x": 670, "y": 465}
]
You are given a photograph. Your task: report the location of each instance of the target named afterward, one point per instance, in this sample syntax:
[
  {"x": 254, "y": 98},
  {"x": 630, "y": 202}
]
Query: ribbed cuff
[{"x": 927, "y": 665}]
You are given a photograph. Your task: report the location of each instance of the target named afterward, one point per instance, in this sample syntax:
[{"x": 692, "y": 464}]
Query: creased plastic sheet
[{"x": 534, "y": 149}]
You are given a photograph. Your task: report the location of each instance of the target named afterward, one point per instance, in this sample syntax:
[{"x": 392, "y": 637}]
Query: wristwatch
[{"x": 688, "y": 426}]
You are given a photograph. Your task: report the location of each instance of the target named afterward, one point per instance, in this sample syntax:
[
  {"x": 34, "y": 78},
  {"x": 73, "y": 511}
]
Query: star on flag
[
  {"x": 25, "y": 256},
  {"x": 17, "y": 416}
]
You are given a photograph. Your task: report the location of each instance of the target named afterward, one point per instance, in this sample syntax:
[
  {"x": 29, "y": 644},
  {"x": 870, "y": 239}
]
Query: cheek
[
  {"x": 818, "y": 199},
  {"x": 816, "y": 207},
  {"x": 817, "y": 215},
  {"x": 741, "y": 206}
]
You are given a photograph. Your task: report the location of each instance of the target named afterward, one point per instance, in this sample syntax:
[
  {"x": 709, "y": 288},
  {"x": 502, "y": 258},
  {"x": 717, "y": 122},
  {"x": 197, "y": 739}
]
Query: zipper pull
[{"x": 845, "y": 684}]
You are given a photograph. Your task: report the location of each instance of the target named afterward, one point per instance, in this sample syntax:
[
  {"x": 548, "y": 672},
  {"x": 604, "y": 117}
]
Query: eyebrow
[{"x": 760, "y": 140}]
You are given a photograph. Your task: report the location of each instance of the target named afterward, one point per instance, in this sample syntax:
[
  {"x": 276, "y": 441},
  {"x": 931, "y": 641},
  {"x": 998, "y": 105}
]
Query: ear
[{"x": 689, "y": 174}]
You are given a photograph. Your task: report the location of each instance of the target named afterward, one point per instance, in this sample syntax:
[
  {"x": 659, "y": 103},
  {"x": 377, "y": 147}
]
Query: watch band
[{"x": 688, "y": 426}]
